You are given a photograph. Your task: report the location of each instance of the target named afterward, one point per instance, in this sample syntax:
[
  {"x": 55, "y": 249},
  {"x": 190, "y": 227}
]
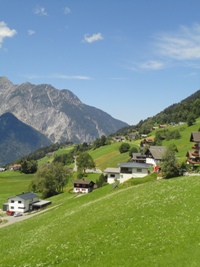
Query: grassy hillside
[
  {"x": 109, "y": 156},
  {"x": 154, "y": 224},
  {"x": 106, "y": 156},
  {"x": 12, "y": 183}
]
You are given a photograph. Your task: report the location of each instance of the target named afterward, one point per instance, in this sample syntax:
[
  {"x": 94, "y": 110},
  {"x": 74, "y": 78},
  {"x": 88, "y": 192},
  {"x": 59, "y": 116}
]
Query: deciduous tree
[
  {"x": 28, "y": 166},
  {"x": 169, "y": 165},
  {"x": 124, "y": 148},
  {"x": 85, "y": 161},
  {"x": 50, "y": 179}
]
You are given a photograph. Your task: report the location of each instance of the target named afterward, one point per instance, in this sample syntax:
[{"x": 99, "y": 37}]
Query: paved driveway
[{"x": 11, "y": 219}]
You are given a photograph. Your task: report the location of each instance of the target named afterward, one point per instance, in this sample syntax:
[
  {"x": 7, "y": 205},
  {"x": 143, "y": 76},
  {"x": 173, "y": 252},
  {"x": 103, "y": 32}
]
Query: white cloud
[
  {"x": 58, "y": 76},
  {"x": 93, "y": 38},
  {"x": 181, "y": 45},
  {"x": 40, "y": 11},
  {"x": 5, "y": 31},
  {"x": 31, "y": 32},
  {"x": 152, "y": 64},
  {"x": 73, "y": 77},
  {"x": 67, "y": 10}
]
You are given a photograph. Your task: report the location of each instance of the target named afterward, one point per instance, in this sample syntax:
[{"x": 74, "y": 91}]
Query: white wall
[
  {"x": 151, "y": 161},
  {"x": 111, "y": 180},
  {"x": 81, "y": 190},
  {"x": 122, "y": 177},
  {"x": 126, "y": 176},
  {"x": 21, "y": 207}
]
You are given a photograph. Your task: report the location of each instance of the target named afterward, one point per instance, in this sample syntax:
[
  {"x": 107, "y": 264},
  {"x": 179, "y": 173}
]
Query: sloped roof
[
  {"x": 157, "y": 151},
  {"x": 112, "y": 170},
  {"x": 133, "y": 165},
  {"x": 195, "y": 137},
  {"x": 138, "y": 156},
  {"x": 25, "y": 196},
  {"x": 83, "y": 181}
]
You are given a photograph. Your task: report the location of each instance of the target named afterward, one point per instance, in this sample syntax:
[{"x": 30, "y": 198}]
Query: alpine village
[{"x": 127, "y": 197}]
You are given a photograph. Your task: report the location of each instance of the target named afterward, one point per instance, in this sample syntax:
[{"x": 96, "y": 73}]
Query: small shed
[{"x": 83, "y": 186}]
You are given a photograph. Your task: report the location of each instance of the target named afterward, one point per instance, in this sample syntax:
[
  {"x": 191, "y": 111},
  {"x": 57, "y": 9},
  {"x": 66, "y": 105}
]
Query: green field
[
  {"x": 142, "y": 223},
  {"x": 12, "y": 183},
  {"x": 153, "y": 224}
]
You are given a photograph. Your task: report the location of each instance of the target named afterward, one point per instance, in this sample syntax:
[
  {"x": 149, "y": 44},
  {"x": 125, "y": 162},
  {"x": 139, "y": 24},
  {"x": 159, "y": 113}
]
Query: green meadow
[
  {"x": 153, "y": 224},
  {"x": 12, "y": 183},
  {"x": 141, "y": 223}
]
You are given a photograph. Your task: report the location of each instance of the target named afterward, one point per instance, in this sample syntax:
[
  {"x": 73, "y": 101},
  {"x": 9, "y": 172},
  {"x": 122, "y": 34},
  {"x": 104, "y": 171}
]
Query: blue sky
[{"x": 128, "y": 58}]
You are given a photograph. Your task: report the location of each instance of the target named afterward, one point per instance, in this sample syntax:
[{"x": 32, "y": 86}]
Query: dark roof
[
  {"x": 134, "y": 165},
  {"x": 138, "y": 156},
  {"x": 195, "y": 137},
  {"x": 112, "y": 170},
  {"x": 83, "y": 182},
  {"x": 25, "y": 196},
  {"x": 156, "y": 151}
]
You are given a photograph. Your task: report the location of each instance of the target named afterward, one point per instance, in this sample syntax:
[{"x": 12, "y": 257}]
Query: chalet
[
  {"x": 14, "y": 167},
  {"x": 194, "y": 156},
  {"x": 148, "y": 141},
  {"x": 24, "y": 202},
  {"x": 132, "y": 136},
  {"x": 138, "y": 157},
  {"x": 154, "y": 155},
  {"x": 126, "y": 171},
  {"x": 119, "y": 138},
  {"x": 83, "y": 186}
]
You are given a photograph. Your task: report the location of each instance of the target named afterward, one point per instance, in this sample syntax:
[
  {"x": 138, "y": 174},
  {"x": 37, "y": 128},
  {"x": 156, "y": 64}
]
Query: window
[
  {"x": 126, "y": 170},
  {"x": 139, "y": 170},
  {"x": 12, "y": 201},
  {"x": 12, "y": 208},
  {"x": 112, "y": 175},
  {"x": 19, "y": 201}
]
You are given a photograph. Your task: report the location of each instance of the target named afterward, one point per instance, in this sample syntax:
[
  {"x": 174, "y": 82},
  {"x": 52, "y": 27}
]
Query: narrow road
[{"x": 11, "y": 219}]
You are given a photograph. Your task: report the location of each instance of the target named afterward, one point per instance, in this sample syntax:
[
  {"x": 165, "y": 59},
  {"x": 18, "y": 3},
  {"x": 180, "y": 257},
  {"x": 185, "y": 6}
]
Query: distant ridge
[
  {"x": 18, "y": 139},
  {"x": 175, "y": 113}
]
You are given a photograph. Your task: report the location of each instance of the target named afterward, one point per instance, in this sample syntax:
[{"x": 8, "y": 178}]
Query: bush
[{"x": 124, "y": 148}]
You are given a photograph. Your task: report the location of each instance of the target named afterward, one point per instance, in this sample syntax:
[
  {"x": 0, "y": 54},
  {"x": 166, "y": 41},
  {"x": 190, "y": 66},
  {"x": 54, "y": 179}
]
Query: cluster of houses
[
  {"x": 194, "y": 155},
  {"x": 138, "y": 167}
]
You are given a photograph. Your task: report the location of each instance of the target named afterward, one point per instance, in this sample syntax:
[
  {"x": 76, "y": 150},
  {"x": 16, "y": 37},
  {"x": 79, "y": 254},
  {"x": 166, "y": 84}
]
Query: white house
[
  {"x": 126, "y": 171},
  {"x": 22, "y": 203},
  {"x": 83, "y": 186},
  {"x": 154, "y": 155},
  {"x": 112, "y": 174}
]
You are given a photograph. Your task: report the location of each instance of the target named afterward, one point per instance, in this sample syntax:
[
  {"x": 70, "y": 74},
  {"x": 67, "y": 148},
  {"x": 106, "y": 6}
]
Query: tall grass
[{"x": 153, "y": 224}]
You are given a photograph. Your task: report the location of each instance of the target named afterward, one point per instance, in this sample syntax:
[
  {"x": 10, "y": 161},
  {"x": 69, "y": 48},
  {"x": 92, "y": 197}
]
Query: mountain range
[
  {"x": 18, "y": 139},
  {"x": 58, "y": 114},
  {"x": 34, "y": 116}
]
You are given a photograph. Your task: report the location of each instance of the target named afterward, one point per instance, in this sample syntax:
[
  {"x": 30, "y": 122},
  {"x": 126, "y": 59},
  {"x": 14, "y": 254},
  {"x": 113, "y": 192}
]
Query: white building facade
[
  {"x": 22, "y": 203},
  {"x": 126, "y": 171}
]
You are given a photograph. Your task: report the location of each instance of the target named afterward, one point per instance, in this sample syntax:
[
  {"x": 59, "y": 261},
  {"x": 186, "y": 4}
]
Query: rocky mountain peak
[
  {"x": 58, "y": 114},
  {"x": 4, "y": 82}
]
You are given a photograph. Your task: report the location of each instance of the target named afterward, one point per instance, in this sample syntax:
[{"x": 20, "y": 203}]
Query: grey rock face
[{"x": 58, "y": 114}]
